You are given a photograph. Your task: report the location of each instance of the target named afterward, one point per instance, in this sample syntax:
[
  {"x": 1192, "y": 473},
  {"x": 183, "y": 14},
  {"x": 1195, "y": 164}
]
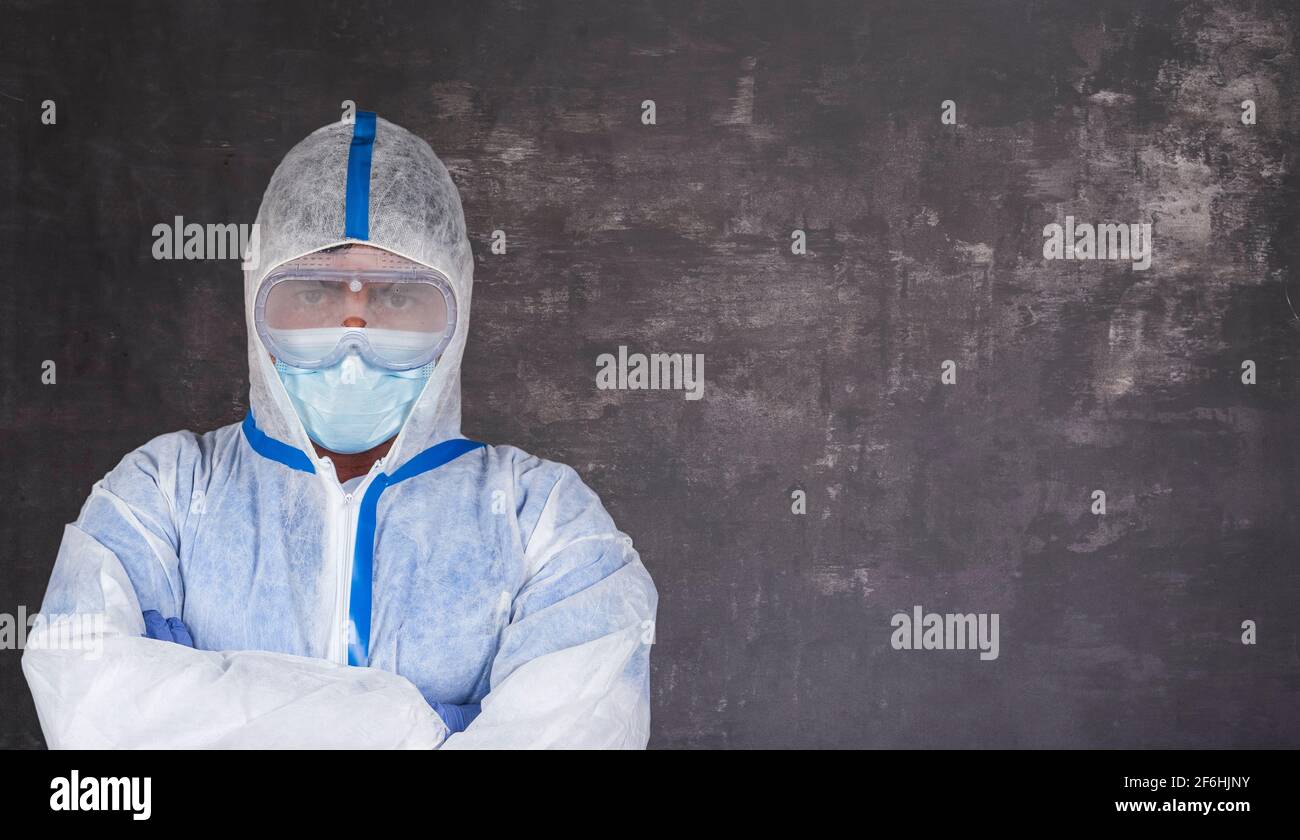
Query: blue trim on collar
[
  {"x": 275, "y": 450},
  {"x": 363, "y": 554}
]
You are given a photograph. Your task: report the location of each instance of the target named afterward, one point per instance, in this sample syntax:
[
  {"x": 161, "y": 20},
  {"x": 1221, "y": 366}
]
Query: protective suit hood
[{"x": 374, "y": 183}]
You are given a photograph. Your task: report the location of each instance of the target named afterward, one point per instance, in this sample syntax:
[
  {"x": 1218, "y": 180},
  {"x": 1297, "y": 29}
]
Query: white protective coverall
[{"x": 498, "y": 578}]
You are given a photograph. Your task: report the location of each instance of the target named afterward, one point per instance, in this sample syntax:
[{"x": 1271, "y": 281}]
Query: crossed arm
[{"x": 571, "y": 670}]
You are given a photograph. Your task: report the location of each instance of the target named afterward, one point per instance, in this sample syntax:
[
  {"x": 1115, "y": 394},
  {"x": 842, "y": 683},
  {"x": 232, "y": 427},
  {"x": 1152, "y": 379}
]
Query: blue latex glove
[
  {"x": 456, "y": 717},
  {"x": 166, "y": 629}
]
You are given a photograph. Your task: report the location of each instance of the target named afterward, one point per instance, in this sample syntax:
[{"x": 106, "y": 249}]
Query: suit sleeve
[
  {"x": 572, "y": 668},
  {"x": 99, "y": 683}
]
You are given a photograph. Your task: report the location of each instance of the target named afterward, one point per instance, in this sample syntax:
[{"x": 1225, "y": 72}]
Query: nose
[{"x": 354, "y": 321}]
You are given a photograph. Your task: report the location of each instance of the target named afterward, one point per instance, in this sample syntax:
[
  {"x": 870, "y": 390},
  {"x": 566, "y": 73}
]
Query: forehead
[{"x": 355, "y": 258}]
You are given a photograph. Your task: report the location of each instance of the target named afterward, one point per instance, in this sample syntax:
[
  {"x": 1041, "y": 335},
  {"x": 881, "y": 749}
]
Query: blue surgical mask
[{"x": 352, "y": 406}]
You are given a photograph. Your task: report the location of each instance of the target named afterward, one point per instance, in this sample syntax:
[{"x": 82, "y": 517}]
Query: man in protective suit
[{"x": 342, "y": 568}]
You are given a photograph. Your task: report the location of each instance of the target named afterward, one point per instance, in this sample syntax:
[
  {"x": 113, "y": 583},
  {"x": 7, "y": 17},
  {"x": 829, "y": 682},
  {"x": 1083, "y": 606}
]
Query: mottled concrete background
[{"x": 822, "y": 371}]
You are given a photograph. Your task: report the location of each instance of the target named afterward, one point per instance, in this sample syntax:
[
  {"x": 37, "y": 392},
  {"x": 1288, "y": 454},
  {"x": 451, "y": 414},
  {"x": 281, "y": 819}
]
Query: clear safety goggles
[{"x": 394, "y": 313}]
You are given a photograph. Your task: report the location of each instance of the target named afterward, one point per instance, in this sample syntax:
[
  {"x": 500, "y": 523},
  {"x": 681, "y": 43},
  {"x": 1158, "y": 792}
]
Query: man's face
[{"x": 356, "y": 331}]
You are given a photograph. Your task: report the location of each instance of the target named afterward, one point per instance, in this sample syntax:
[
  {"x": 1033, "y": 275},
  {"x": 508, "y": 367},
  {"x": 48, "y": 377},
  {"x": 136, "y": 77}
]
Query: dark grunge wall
[{"x": 822, "y": 370}]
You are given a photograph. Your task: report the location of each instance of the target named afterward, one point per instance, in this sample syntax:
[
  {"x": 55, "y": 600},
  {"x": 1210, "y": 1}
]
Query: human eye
[
  {"x": 393, "y": 297},
  {"x": 310, "y": 293}
]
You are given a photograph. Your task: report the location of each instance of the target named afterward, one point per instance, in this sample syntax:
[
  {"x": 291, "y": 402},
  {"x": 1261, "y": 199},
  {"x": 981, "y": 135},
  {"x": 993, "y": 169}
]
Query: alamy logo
[
  {"x": 193, "y": 241},
  {"x": 950, "y": 631},
  {"x": 638, "y": 371},
  {"x": 1105, "y": 241},
  {"x": 94, "y": 793},
  {"x": 53, "y": 631}
]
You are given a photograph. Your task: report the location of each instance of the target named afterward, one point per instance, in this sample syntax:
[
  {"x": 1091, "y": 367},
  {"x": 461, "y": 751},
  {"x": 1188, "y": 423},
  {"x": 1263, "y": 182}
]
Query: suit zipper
[
  {"x": 346, "y": 551},
  {"x": 345, "y": 580}
]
